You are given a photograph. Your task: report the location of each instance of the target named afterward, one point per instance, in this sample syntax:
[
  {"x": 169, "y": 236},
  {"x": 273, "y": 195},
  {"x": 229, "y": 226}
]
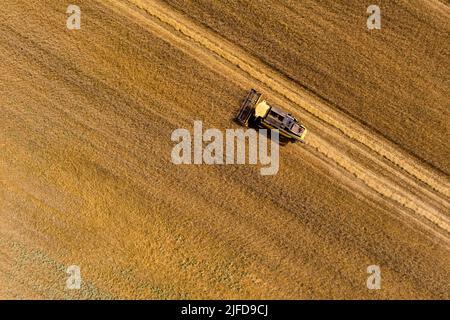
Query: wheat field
[{"x": 85, "y": 163}]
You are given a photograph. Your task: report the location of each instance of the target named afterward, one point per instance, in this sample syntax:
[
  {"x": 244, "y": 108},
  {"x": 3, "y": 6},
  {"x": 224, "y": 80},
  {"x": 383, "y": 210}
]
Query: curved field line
[{"x": 427, "y": 197}]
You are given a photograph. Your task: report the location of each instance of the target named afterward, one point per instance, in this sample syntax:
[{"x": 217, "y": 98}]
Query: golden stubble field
[{"x": 87, "y": 179}]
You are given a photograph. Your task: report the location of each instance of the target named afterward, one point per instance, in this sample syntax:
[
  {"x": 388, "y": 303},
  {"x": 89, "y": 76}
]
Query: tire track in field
[{"x": 417, "y": 188}]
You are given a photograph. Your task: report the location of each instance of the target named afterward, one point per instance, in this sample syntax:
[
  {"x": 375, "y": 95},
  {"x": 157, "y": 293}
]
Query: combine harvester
[{"x": 256, "y": 113}]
